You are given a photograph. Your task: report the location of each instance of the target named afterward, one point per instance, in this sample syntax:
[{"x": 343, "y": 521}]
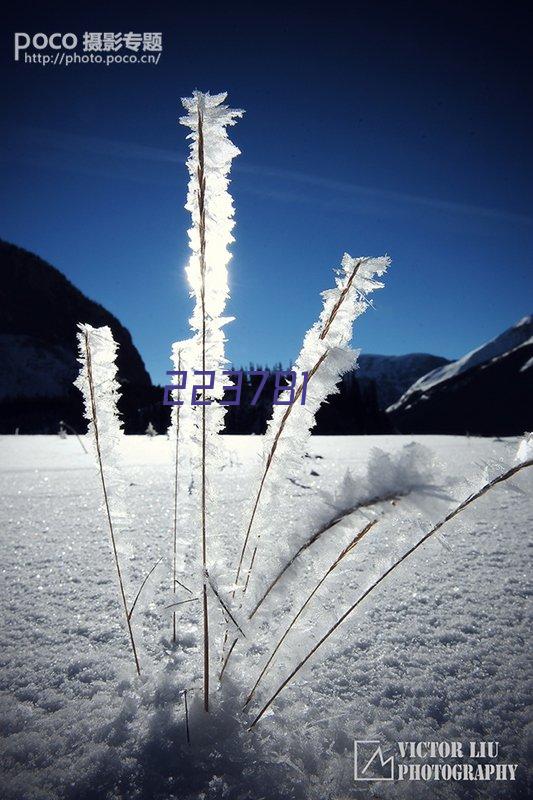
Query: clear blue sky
[{"x": 403, "y": 128}]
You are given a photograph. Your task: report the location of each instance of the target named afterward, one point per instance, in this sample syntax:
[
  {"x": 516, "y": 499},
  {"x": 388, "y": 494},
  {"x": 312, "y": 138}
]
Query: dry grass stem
[
  {"x": 287, "y": 413},
  {"x": 224, "y": 605},
  {"x": 141, "y": 587},
  {"x": 272, "y": 452},
  {"x": 186, "y": 717},
  {"x": 182, "y": 602}
]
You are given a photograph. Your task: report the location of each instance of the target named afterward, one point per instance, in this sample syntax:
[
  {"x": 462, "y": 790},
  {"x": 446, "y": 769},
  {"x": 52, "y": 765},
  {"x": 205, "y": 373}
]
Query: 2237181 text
[{"x": 286, "y": 388}]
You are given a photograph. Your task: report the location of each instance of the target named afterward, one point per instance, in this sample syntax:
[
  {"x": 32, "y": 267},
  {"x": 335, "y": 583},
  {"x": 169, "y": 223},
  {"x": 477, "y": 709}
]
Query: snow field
[{"x": 437, "y": 652}]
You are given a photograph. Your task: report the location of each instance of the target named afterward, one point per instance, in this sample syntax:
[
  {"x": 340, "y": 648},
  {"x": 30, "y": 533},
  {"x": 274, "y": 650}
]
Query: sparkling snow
[{"x": 438, "y": 652}]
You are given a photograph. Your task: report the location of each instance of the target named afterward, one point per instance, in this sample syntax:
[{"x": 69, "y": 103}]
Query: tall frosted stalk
[
  {"x": 97, "y": 382},
  {"x": 211, "y": 208}
]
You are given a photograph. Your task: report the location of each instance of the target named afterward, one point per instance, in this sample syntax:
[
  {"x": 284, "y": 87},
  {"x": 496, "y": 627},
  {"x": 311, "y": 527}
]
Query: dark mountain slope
[
  {"x": 39, "y": 312},
  {"x": 393, "y": 375},
  {"x": 493, "y": 398}
]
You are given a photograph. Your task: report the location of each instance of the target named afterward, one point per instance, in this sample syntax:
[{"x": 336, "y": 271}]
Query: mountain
[
  {"x": 393, "y": 375},
  {"x": 489, "y": 391},
  {"x": 39, "y": 312},
  {"x": 506, "y": 341}
]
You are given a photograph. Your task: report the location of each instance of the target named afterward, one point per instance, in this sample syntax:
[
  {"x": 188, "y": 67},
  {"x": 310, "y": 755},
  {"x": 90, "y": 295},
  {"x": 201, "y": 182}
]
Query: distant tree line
[{"x": 354, "y": 410}]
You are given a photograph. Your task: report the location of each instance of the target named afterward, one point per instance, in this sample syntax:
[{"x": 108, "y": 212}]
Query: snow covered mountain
[
  {"x": 394, "y": 374},
  {"x": 506, "y": 341},
  {"x": 487, "y": 392}
]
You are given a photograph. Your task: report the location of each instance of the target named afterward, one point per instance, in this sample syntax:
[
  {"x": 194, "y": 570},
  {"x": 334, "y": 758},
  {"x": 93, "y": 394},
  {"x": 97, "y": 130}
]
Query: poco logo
[{"x": 41, "y": 41}]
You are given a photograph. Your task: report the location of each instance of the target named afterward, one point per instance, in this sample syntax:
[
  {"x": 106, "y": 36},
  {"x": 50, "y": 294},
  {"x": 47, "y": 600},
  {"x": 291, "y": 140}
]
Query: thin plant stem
[
  {"x": 186, "y": 717},
  {"x": 75, "y": 432},
  {"x": 268, "y": 464},
  {"x": 183, "y": 586},
  {"x": 348, "y": 549},
  {"x": 224, "y": 606},
  {"x": 457, "y": 510},
  {"x": 254, "y": 510},
  {"x": 106, "y": 500},
  {"x": 141, "y": 587},
  {"x": 201, "y": 209},
  {"x": 227, "y": 658},
  {"x": 182, "y": 602}
]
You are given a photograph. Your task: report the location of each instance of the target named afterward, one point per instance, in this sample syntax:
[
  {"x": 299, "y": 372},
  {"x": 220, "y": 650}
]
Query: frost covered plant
[
  {"x": 325, "y": 357},
  {"x": 97, "y": 382},
  {"x": 181, "y": 435},
  {"x": 523, "y": 460},
  {"x": 389, "y": 478},
  {"x": 176, "y": 439},
  {"x": 211, "y": 208},
  {"x": 198, "y": 456}
]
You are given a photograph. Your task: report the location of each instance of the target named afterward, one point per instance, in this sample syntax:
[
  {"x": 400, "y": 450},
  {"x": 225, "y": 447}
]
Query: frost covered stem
[
  {"x": 285, "y": 417},
  {"x": 254, "y": 510},
  {"x": 270, "y": 457},
  {"x": 457, "y": 510},
  {"x": 268, "y": 464},
  {"x": 106, "y": 500},
  {"x": 341, "y": 299},
  {"x": 201, "y": 209},
  {"x": 348, "y": 549}
]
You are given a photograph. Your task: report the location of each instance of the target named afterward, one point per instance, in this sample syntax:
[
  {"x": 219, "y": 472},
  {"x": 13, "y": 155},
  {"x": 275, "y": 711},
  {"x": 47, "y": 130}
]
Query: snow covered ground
[{"x": 438, "y": 652}]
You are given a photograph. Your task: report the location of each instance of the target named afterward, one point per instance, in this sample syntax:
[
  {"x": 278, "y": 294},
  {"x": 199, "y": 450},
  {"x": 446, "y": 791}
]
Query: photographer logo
[
  {"x": 369, "y": 762},
  {"x": 430, "y": 761}
]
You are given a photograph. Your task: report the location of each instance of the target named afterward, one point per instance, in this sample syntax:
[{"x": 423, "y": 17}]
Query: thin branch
[
  {"x": 348, "y": 549},
  {"x": 182, "y": 602},
  {"x": 484, "y": 489},
  {"x": 141, "y": 587}
]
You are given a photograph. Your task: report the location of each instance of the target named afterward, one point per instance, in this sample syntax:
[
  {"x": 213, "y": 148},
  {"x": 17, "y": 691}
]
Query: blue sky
[{"x": 377, "y": 128}]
